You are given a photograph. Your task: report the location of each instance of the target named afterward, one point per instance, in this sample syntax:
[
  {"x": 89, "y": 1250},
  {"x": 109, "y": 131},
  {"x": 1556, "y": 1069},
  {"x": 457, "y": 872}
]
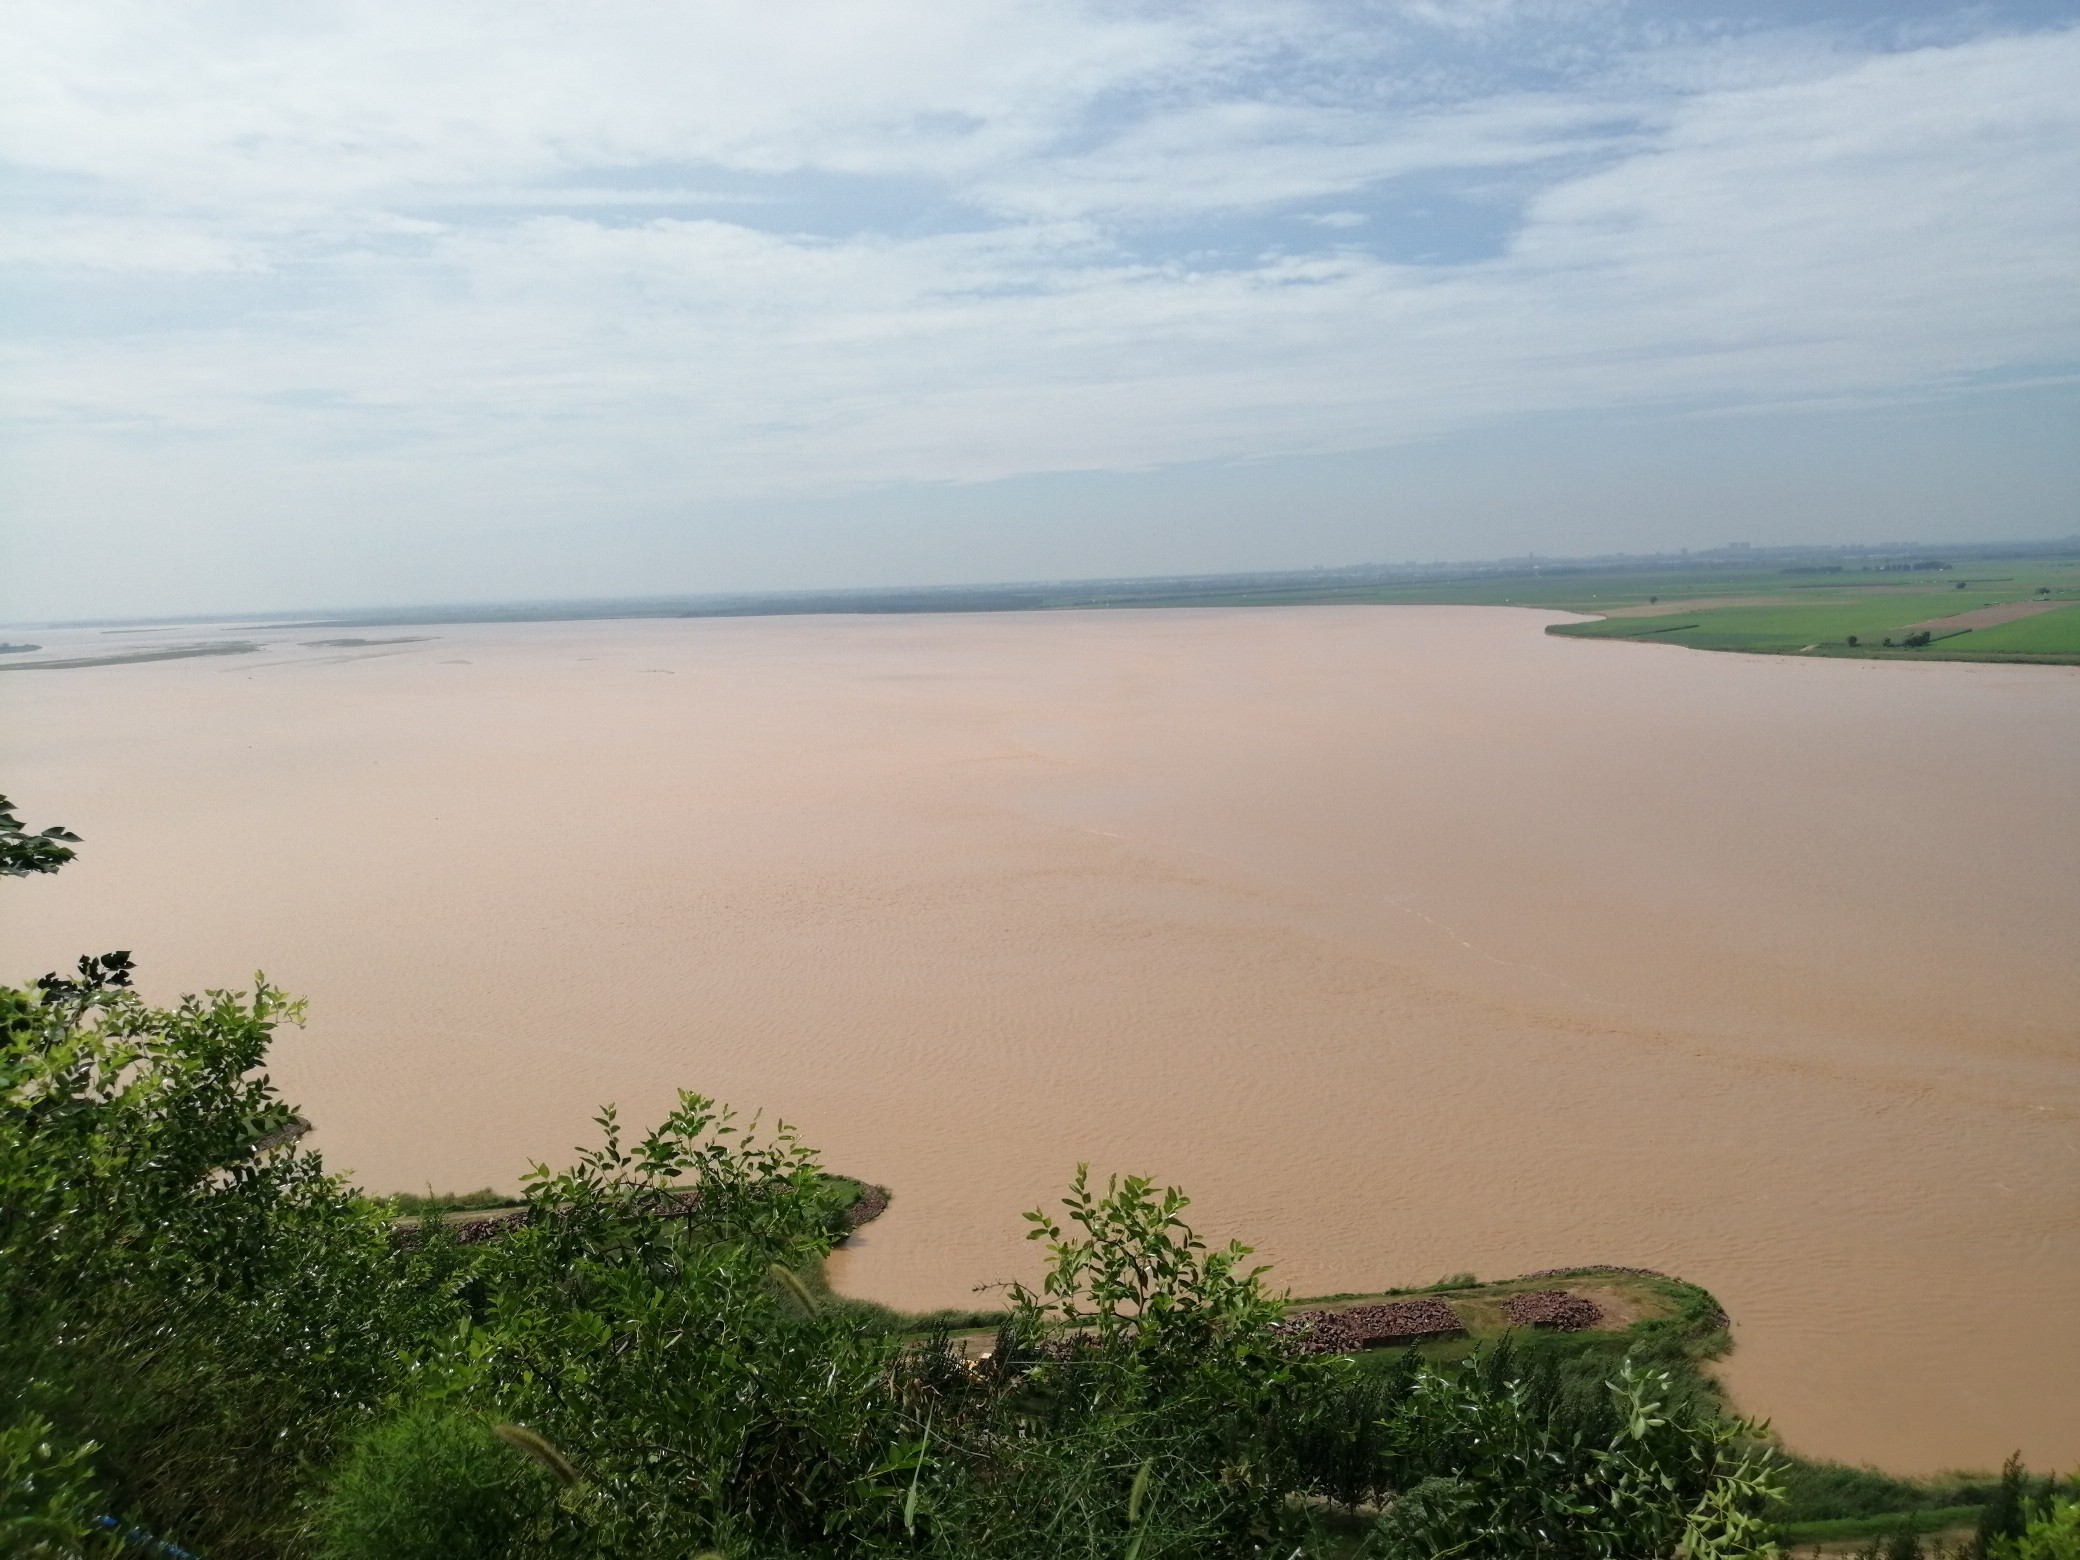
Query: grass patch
[
  {"x": 2048, "y": 633},
  {"x": 1822, "y": 616},
  {"x": 848, "y": 1191},
  {"x": 412, "y": 1205},
  {"x": 1937, "y": 1519},
  {"x": 1446, "y": 1285},
  {"x": 1776, "y": 628},
  {"x": 1822, "y": 1492}
]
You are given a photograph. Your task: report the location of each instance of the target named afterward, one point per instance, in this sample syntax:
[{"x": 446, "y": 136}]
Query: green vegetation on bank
[
  {"x": 1917, "y": 1520},
  {"x": 432, "y": 1204},
  {"x": 206, "y": 1338},
  {"x": 227, "y": 1348},
  {"x": 1777, "y": 611},
  {"x": 1846, "y": 601},
  {"x": 2012, "y": 1516},
  {"x": 1874, "y": 615},
  {"x": 1816, "y": 1492},
  {"x": 845, "y": 1196},
  {"x": 207, "y": 1341}
]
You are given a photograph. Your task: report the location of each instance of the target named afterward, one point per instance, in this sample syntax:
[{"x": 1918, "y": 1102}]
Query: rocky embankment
[{"x": 1389, "y": 1324}]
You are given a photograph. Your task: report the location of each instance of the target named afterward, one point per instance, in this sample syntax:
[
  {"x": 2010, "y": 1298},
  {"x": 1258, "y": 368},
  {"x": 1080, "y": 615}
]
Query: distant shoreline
[
  {"x": 2010, "y": 606},
  {"x": 1503, "y": 581},
  {"x": 1988, "y": 603}
]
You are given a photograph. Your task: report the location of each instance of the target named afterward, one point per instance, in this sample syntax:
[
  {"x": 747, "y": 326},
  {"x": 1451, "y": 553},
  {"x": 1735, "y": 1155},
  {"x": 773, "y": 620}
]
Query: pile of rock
[
  {"x": 1553, "y": 1309},
  {"x": 1391, "y": 1324},
  {"x": 473, "y": 1232},
  {"x": 872, "y": 1204},
  {"x": 471, "y": 1229}
]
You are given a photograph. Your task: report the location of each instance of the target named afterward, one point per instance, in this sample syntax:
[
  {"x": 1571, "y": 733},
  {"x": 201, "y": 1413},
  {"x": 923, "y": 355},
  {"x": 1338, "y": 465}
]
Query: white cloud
[
  {"x": 90, "y": 242},
  {"x": 444, "y": 311},
  {"x": 1241, "y": 156},
  {"x": 221, "y": 103}
]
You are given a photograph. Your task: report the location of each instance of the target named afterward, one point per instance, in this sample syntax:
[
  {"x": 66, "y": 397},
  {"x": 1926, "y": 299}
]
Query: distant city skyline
[{"x": 386, "y": 304}]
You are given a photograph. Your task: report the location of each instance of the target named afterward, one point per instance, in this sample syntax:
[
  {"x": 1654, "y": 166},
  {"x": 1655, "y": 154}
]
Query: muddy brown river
[{"x": 1410, "y": 940}]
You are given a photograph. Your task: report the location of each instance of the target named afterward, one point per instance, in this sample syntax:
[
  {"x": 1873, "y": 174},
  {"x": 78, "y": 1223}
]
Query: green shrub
[
  {"x": 48, "y": 1504},
  {"x": 205, "y": 1336},
  {"x": 1498, "y": 1462},
  {"x": 184, "y": 1285},
  {"x": 434, "y": 1484},
  {"x": 179, "y": 1281},
  {"x": 2053, "y": 1533}
]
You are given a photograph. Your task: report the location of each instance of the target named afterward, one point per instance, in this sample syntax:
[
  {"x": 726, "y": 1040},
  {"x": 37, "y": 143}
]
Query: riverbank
[{"x": 1945, "y": 603}]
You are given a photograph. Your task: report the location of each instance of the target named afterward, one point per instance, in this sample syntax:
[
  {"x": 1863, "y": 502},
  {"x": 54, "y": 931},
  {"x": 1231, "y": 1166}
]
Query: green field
[
  {"x": 2053, "y": 634},
  {"x": 1764, "y": 611},
  {"x": 1821, "y": 616}
]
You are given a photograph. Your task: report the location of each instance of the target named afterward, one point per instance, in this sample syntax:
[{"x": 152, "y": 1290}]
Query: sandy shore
[{"x": 1411, "y": 940}]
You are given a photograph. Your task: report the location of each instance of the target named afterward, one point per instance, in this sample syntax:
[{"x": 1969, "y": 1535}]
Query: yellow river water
[{"x": 1410, "y": 940}]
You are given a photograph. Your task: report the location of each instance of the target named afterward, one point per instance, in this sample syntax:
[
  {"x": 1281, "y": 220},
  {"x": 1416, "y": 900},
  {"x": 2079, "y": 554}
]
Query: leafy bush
[
  {"x": 636, "y": 1322},
  {"x": 185, "y": 1288},
  {"x": 2053, "y": 1533},
  {"x": 1499, "y": 1462},
  {"x": 47, "y": 1500},
  {"x": 179, "y": 1283},
  {"x": 204, "y": 1336},
  {"x": 433, "y": 1484},
  {"x": 24, "y": 852}
]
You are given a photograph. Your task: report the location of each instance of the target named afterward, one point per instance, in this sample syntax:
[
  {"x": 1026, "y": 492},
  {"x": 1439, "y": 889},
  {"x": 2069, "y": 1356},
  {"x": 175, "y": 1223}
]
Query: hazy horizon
[
  {"x": 1410, "y": 570},
  {"x": 388, "y": 305}
]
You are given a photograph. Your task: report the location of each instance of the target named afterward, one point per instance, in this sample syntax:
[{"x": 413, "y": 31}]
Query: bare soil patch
[
  {"x": 1620, "y": 1307},
  {"x": 1990, "y": 617}
]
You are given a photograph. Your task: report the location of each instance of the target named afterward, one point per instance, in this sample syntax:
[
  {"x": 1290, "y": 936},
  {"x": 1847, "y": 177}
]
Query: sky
[{"x": 357, "y": 302}]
